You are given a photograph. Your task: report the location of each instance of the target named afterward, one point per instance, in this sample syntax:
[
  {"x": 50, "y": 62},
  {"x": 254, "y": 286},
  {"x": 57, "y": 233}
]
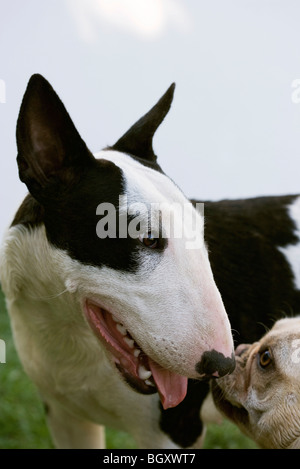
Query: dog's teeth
[
  {"x": 129, "y": 342},
  {"x": 136, "y": 352},
  {"x": 114, "y": 318},
  {"x": 143, "y": 373},
  {"x": 149, "y": 383},
  {"x": 121, "y": 329}
]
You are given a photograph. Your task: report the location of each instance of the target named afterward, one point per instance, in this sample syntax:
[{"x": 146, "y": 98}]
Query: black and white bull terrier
[{"x": 109, "y": 328}]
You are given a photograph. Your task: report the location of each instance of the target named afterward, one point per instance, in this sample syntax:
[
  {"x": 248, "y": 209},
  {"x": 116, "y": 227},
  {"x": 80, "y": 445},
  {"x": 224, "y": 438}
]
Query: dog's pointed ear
[
  {"x": 49, "y": 145},
  {"x": 137, "y": 141}
]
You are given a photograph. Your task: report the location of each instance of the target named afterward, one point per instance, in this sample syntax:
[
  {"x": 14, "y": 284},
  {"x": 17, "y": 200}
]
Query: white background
[{"x": 233, "y": 130}]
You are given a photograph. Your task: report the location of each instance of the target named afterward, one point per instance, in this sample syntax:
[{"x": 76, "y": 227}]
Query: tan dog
[{"x": 262, "y": 395}]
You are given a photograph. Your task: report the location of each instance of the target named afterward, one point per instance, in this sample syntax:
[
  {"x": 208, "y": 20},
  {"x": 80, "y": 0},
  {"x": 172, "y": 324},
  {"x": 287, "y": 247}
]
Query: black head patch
[{"x": 67, "y": 183}]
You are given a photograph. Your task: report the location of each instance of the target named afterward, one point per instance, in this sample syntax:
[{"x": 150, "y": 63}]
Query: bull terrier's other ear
[
  {"x": 137, "y": 141},
  {"x": 49, "y": 145}
]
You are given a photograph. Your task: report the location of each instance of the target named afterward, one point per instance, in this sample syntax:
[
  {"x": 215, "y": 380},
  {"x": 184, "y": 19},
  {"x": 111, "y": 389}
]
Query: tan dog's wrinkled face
[{"x": 262, "y": 395}]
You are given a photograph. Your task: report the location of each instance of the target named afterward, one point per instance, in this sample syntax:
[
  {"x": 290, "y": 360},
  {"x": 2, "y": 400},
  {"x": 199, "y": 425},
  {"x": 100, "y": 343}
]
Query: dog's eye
[
  {"x": 149, "y": 241},
  {"x": 265, "y": 358}
]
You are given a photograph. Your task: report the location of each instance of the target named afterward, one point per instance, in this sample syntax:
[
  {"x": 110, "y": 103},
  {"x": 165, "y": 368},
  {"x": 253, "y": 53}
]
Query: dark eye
[
  {"x": 149, "y": 241},
  {"x": 265, "y": 358}
]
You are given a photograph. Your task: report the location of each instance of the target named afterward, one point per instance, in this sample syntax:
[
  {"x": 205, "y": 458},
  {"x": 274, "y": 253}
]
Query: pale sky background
[{"x": 234, "y": 127}]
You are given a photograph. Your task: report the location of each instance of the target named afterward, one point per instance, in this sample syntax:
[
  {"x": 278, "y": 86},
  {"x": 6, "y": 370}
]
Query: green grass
[{"x": 22, "y": 421}]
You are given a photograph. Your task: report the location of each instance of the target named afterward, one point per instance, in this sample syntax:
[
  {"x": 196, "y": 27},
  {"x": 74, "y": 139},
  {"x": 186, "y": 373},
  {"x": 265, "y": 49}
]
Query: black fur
[{"x": 253, "y": 276}]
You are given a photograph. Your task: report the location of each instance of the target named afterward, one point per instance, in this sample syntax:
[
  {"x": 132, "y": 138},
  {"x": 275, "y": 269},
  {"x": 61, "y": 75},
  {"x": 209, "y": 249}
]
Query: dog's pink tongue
[{"x": 172, "y": 388}]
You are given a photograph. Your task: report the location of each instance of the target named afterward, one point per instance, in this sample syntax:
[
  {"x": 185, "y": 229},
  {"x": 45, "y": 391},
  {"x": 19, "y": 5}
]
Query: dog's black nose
[{"x": 215, "y": 364}]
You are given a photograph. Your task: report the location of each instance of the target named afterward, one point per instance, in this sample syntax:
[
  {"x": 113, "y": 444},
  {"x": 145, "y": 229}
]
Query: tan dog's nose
[{"x": 242, "y": 348}]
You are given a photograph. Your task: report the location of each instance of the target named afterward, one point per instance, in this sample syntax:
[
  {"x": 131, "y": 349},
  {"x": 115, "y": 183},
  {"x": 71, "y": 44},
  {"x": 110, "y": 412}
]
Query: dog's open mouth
[
  {"x": 139, "y": 370},
  {"x": 233, "y": 410}
]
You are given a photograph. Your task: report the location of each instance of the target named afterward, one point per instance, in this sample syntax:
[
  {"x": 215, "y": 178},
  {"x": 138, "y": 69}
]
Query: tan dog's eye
[{"x": 265, "y": 358}]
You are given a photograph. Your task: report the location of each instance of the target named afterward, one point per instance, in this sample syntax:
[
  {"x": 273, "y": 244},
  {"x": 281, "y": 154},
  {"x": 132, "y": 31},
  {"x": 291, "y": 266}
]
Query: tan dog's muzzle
[{"x": 262, "y": 395}]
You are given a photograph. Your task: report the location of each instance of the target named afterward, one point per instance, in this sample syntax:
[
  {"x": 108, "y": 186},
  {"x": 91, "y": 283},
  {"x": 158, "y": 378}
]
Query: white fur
[{"x": 172, "y": 308}]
